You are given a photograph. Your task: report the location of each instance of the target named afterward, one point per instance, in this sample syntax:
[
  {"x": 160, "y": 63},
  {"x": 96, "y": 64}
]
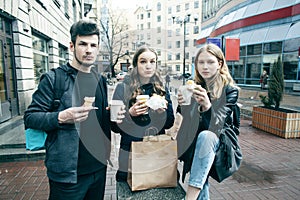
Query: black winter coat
[{"x": 217, "y": 118}]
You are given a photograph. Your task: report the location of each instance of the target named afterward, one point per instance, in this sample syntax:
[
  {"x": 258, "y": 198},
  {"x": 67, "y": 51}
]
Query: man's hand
[{"x": 74, "y": 114}]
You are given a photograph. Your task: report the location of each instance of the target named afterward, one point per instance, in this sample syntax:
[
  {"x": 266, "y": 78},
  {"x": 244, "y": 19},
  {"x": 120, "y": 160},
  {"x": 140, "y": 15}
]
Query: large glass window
[
  {"x": 63, "y": 52},
  {"x": 273, "y": 47},
  {"x": 268, "y": 61},
  {"x": 290, "y": 66},
  {"x": 253, "y": 69},
  {"x": 254, "y": 49},
  {"x": 40, "y": 57},
  {"x": 239, "y": 70}
]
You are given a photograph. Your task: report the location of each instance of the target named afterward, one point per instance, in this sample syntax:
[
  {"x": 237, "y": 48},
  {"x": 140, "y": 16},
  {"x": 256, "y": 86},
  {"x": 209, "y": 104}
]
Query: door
[{"x": 8, "y": 92}]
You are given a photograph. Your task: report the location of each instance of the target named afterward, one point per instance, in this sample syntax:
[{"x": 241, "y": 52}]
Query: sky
[{"x": 126, "y": 3}]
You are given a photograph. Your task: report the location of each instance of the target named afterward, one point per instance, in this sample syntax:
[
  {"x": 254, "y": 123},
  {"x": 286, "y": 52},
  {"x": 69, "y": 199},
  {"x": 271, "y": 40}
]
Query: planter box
[{"x": 284, "y": 123}]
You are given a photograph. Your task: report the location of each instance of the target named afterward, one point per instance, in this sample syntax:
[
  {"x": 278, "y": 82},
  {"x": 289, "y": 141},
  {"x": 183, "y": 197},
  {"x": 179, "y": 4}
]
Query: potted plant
[{"x": 270, "y": 117}]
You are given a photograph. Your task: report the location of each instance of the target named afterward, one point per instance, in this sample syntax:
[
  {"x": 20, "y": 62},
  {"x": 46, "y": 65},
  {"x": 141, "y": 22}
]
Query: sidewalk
[{"x": 270, "y": 168}]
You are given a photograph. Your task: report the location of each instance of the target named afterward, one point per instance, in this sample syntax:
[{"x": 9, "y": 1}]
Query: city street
[{"x": 270, "y": 168}]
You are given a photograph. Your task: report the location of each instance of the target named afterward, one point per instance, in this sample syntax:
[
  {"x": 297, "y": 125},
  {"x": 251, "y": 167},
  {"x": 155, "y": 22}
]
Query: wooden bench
[{"x": 124, "y": 193}]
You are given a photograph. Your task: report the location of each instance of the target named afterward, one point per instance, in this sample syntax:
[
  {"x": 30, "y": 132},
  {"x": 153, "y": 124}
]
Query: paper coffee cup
[
  {"x": 186, "y": 93},
  {"x": 142, "y": 98},
  {"x": 115, "y": 108}
]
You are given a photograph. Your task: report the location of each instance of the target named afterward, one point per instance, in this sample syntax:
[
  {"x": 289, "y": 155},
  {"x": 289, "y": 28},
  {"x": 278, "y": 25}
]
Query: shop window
[
  {"x": 273, "y": 47},
  {"x": 243, "y": 51},
  {"x": 253, "y": 70},
  {"x": 40, "y": 57},
  {"x": 254, "y": 49},
  {"x": 290, "y": 66}
]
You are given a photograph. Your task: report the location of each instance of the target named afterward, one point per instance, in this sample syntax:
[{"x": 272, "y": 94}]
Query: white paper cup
[
  {"x": 115, "y": 107},
  {"x": 142, "y": 98},
  {"x": 186, "y": 93}
]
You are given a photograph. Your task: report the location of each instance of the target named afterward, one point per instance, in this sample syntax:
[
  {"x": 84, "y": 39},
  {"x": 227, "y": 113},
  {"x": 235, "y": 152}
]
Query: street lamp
[{"x": 184, "y": 22}]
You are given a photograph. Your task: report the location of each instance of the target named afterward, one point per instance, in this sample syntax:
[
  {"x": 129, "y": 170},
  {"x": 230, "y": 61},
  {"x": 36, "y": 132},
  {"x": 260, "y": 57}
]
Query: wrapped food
[
  {"x": 190, "y": 84},
  {"x": 156, "y": 102},
  {"x": 88, "y": 101}
]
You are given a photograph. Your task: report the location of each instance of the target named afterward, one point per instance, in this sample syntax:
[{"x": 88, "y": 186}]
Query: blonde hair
[{"x": 223, "y": 76}]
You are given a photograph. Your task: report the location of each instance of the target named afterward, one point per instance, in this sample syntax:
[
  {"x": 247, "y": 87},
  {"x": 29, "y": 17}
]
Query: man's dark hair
[{"x": 84, "y": 28}]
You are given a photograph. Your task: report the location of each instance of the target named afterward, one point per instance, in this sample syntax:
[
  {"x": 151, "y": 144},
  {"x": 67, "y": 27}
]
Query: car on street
[{"x": 120, "y": 76}]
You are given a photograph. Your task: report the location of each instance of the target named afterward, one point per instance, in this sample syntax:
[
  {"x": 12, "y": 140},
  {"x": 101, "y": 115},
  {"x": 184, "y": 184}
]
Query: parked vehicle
[{"x": 120, "y": 76}]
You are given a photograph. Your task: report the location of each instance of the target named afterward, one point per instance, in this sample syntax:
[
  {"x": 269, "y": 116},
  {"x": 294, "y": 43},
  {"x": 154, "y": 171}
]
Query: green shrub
[{"x": 275, "y": 86}]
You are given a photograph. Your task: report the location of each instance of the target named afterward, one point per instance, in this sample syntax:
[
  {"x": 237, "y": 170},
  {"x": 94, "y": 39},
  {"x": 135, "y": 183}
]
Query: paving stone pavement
[
  {"x": 270, "y": 170},
  {"x": 270, "y": 167}
]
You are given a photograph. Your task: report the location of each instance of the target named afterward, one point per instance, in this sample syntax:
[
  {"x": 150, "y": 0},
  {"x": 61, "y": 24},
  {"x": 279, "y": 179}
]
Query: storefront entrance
[{"x": 8, "y": 91}]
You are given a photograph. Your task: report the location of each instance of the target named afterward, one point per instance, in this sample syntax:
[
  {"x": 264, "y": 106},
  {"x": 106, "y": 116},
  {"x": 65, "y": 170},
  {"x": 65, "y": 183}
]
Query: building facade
[
  {"x": 267, "y": 29},
  {"x": 34, "y": 37},
  {"x": 171, "y": 27}
]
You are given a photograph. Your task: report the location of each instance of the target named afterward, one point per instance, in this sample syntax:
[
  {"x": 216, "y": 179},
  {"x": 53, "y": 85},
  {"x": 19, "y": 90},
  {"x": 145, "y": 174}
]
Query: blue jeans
[{"x": 206, "y": 146}]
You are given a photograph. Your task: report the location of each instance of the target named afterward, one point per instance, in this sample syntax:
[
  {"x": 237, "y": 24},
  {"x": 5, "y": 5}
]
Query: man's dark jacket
[{"x": 63, "y": 139}]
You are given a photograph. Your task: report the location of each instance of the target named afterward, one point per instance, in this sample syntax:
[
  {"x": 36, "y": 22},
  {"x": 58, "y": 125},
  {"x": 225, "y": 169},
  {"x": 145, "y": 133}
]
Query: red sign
[{"x": 232, "y": 49}]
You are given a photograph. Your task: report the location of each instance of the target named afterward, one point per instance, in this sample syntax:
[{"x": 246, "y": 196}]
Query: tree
[
  {"x": 114, "y": 29},
  {"x": 275, "y": 86}
]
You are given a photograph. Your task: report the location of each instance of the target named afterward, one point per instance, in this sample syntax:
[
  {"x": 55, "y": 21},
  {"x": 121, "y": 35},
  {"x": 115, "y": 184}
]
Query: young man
[{"x": 78, "y": 136}]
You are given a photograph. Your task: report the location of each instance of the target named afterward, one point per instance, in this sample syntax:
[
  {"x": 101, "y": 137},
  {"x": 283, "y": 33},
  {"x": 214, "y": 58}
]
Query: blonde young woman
[
  {"x": 144, "y": 79},
  {"x": 214, "y": 97}
]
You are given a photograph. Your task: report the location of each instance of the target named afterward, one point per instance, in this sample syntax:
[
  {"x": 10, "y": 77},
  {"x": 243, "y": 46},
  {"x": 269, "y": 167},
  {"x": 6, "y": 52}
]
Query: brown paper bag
[{"x": 153, "y": 164}]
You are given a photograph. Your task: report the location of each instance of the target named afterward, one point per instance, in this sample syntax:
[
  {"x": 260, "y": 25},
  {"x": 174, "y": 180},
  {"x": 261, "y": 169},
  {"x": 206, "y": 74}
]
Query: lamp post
[{"x": 184, "y": 22}]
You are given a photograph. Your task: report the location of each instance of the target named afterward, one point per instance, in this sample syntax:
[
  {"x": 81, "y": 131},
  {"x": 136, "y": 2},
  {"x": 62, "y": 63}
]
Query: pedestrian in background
[
  {"x": 168, "y": 80},
  {"x": 214, "y": 98},
  {"x": 144, "y": 79},
  {"x": 78, "y": 138},
  {"x": 264, "y": 80}
]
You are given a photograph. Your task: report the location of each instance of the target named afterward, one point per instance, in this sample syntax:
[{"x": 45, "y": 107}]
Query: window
[
  {"x": 187, "y": 55},
  {"x": 254, "y": 49},
  {"x": 178, "y": 8},
  {"x": 169, "y": 33},
  {"x": 63, "y": 52},
  {"x": 142, "y": 26},
  {"x": 178, "y": 56},
  {"x": 169, "y": 56},
  {"x": 66, "y": 7},
  {"x": 196, "y": 29},
  {"x": 177, "y": 44},
  {"x": 148, "y": 36},
  {"x": 196, "y": 4},
  {"x": 290, "y": 66},
  {"x": 158, "y": 6},
  {"x": 158, "y": 41},
  {"x": 158, "y": 29},
  {"x": 253, "y": 69},
  {"x": 148, "y": 25},
  {"x": 74, "y": 11},
  {"x": 158, "y": 52},
  {"x": 187, "y": 6},
  {"x": 142, "y": 16},
  {"x": 158, "y": 18},
  {"x": 178, "y": 68},
  {"x": 177, "y": 31},
  {"x": 40, "y": 57},
  {"x": 187, "y": 43},
  {"x": 169, "y": 45},
  {"x": 273, "y": 47},
  {"x": 169, "y": 10},
  {"x": 149, "y": 15}
]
